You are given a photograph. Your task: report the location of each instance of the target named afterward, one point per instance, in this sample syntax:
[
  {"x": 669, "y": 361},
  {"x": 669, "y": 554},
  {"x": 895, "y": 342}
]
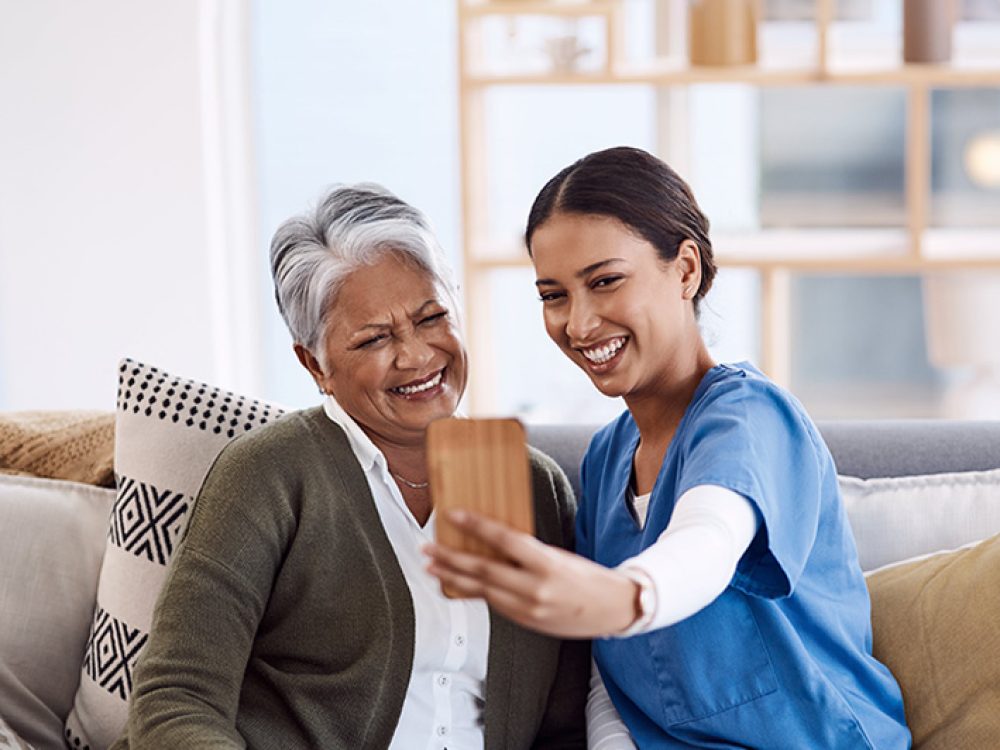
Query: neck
[
  {"x": 408, "y": 464},
  {"x": 405, "y": 458},
  {"x": 658, "y": 410}
]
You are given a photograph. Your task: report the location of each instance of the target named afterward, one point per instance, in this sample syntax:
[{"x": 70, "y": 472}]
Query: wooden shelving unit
[{"x": 915, "y": 247}]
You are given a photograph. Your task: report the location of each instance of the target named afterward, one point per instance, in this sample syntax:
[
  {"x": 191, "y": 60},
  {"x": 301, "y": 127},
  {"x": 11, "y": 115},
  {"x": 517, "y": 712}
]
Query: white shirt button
[
  {"x": 443, "y": 680},
  {"x": 459, "y": 640},
  {"x": 442, "y": 731}
]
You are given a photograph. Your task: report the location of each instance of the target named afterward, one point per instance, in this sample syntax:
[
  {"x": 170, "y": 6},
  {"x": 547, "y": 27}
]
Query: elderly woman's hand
[{"x": 538, "y": 586}]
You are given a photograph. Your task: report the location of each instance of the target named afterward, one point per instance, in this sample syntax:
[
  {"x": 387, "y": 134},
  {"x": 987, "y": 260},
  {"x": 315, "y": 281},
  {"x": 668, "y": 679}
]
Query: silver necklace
[{"x": 408, "y": 483}]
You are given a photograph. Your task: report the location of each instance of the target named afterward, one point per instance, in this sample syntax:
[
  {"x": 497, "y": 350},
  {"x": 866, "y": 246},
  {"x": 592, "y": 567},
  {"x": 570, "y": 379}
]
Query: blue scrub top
[{"x": 782, "y": 658}]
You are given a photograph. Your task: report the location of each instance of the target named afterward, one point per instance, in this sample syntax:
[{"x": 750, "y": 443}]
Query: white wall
[
  {"x": 135, "y": 207},
  {"x": 104, "y": 181},
  {"x": 347, "y": 92}
]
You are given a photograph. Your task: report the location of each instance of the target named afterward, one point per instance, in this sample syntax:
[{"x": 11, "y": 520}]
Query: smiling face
[
  {"x": 394, "y": 356},
  {"x": 623, "y": 315}
]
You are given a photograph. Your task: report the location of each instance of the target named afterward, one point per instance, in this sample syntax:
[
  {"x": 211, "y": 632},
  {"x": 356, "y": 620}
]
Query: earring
[{"x": 322, "y": 392}]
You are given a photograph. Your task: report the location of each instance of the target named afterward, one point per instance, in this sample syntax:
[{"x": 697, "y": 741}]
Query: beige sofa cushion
[
  {"x": 899, "y": 518},
  {"x": 50, "y": 555},
  {"x": 935, "y": 623}
]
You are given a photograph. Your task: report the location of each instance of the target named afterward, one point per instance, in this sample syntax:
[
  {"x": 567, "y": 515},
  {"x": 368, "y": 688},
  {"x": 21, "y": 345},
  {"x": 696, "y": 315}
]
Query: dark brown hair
[{"x": 640, "y": 191}]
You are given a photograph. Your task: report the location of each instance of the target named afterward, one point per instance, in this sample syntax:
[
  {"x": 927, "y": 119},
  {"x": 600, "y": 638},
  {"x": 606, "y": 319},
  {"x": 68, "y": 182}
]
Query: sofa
[{"x": 81, "y": 564}]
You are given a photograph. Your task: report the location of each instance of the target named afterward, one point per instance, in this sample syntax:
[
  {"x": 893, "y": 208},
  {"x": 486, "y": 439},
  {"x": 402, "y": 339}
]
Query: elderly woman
[{"x": 298, "y": 613}]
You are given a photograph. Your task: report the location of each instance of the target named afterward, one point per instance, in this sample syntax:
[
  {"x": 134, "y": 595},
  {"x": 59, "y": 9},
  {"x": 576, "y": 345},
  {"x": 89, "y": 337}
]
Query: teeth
[
  {"x": 601, "y": 354},
  {"x": 409, "y": 390}
]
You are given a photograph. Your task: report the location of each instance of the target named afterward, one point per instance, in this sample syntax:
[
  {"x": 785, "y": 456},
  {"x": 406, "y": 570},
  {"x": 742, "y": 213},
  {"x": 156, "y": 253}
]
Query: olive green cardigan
[{"x": 286, "y": 621}]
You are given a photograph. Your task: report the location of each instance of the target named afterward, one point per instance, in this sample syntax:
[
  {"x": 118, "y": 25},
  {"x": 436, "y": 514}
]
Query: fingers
[
  {"x": 466, "y": 568},
  {"x": 464, "y": 586},
  {"x": 522, "y": 601},
  {"x": 517, "y": 546}
]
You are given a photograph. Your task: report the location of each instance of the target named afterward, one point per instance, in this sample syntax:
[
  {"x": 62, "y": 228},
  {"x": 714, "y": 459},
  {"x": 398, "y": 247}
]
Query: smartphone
[{"x": 479, "y": 465}]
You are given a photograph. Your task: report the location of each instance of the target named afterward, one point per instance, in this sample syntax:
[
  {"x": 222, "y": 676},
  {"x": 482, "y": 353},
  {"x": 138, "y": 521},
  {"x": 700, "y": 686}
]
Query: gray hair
[{"x": 351, "y": 226}]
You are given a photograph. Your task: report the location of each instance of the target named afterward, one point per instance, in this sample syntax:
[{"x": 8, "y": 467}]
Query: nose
[
  {"x": 581, "y": 319},
  {"x": 413, "y": 353}
]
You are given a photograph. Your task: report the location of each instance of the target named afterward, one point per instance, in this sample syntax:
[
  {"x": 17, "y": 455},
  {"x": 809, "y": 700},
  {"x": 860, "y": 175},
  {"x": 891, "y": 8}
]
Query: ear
[
  {"x": 688, "y": 265},
  {"x": 309, "y": 361}
]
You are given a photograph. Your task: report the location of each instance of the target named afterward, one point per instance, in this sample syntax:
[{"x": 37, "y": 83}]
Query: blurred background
[{"x": 149, "y": 149}]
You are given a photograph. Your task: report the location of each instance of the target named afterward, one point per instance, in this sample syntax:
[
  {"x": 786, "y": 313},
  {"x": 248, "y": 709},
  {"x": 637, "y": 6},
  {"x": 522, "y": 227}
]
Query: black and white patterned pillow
[{"x": 168, "y": 432}]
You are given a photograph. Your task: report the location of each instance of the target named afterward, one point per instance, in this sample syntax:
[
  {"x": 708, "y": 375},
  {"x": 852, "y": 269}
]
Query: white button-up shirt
[{"x": 446, "y": 693}]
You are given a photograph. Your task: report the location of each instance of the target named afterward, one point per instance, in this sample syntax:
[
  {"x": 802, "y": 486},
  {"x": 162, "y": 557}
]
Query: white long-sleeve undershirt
[
  {"x": 695, "y": 557},
  {"x": 689, "y": 565}
]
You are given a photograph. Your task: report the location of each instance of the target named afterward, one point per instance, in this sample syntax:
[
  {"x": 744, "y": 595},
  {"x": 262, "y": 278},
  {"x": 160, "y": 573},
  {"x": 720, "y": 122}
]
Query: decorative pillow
[
  {"x": 74, "y": 445},
  {"x": 9, "y": 739},
  {"x": 50, "y": 557},
  {"x": 898, "y": 518},
  {"x": 168, "y": 433},
  {"x": 935, "y": 626}
]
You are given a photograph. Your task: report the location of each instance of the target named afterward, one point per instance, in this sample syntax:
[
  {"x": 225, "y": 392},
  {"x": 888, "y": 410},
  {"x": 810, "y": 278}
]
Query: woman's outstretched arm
[{"x": 564, "y": 594}]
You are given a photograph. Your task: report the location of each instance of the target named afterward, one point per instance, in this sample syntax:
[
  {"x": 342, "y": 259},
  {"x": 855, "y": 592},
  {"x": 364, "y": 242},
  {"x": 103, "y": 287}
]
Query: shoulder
[
  {"x": 739, "y": 399},
  {"x": 542, "y": 463},
  {"x": 555, "y": 504},
  {"x": 739, "y": 382},
  {"x": 546, "y": 475},
  {"x": 285, "y": 437},
  {"x": 743, "y": 388},
  {"x": 283, "y": 448}
]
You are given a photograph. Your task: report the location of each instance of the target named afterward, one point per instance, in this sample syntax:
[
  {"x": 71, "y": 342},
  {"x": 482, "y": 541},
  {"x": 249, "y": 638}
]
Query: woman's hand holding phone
[{"x": 534, "y": 584}]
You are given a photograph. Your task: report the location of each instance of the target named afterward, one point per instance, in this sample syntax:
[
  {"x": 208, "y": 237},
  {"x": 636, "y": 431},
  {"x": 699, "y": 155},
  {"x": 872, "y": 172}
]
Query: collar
[{"x": 364, "y": 449}]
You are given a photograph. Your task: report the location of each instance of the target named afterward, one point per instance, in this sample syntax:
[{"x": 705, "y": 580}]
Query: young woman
[{"x": 716, "y": 568}]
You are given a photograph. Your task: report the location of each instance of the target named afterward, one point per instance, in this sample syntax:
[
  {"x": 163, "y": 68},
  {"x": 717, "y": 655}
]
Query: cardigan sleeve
[
  {"x": 188, "y": 681},
  {"x": 564, "y": 722}
]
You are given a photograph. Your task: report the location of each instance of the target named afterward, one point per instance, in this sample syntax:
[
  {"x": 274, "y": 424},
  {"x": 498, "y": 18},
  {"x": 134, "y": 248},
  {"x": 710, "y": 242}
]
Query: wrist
[{"x": 643, "y": 601}]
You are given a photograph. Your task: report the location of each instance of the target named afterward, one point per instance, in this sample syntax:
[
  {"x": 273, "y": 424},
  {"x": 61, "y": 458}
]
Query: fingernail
[{"x": 458, "y": 515}]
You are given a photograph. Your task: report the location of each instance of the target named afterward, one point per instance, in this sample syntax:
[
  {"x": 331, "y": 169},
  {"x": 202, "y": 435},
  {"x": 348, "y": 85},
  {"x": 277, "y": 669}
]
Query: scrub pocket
[{"x": 711, "y": 662}]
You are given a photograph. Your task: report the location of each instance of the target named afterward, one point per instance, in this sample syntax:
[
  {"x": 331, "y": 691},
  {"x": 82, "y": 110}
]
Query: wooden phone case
[{"x": 479, "y": 465}]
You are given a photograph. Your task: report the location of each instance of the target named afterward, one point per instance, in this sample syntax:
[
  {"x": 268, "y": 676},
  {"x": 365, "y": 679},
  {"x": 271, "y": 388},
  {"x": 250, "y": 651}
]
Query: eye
[
  {"x": 547, "y": 297},
  {"x": 606, "y": 281},
  {"x": 369, "y": 343},
  {"x": 432, "y": 319}
]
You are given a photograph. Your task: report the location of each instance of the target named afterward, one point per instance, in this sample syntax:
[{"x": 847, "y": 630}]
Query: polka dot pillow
[{"x": 168, "y": 432}]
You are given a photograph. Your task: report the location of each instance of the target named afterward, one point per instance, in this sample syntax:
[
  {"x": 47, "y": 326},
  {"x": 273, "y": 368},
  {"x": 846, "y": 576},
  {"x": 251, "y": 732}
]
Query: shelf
[
  {"x": 976, "y": 244},
  {"x": 539, "y": 8},
  {"x": 672, "y": 73},
  {"x": 662, "y": 75},
  {"x": 904, "y": 264},
  {"x": 818, "y": 250},
  {"x": 820, "y": 53},
  {"x": 812, "y": 248},
  {"x": 955, "y": 74}
]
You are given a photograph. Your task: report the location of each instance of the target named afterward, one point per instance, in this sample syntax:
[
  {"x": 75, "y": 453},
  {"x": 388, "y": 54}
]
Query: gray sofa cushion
[{"x": 864, "y": 449}]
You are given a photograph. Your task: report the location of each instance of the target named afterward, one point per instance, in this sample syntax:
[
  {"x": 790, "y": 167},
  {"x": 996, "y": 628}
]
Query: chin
[
  {"x": 439, "y": 409},
  {"x": 611, "y": 392}
]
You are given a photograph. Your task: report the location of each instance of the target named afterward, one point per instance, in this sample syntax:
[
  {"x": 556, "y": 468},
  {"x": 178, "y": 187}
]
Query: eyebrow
[
  {"x": 582, "y": 273},
  {"x": 414, "y": 314}
]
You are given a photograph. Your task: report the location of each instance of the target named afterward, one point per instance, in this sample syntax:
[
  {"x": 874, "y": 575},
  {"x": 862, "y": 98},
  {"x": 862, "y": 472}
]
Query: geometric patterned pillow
[{"x": 168, "y": 432}]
